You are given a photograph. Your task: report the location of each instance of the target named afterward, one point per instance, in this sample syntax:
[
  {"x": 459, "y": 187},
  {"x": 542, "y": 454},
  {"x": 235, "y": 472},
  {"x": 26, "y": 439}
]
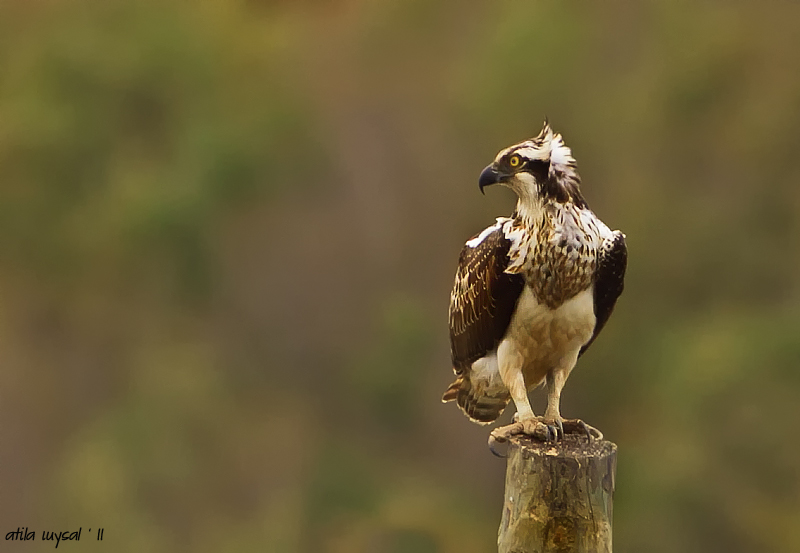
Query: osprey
[{"x": 532, "y": 291}]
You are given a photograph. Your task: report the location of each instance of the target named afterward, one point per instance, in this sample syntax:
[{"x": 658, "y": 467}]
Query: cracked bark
[{"x": 558, "y": 497}]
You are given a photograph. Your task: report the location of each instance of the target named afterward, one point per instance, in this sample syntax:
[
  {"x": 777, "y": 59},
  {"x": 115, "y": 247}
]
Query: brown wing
[
  {"x": 609, "y": 280},
  {"x": 483, "y": 299}
]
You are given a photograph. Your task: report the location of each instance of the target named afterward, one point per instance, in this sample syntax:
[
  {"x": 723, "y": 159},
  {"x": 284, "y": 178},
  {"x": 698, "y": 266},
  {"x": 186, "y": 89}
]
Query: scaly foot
[
  {"x": 534, "y": 427},
  {"x": 541, "y": 429},
  {"x": 571, "y": 426},
  {"x": 577, "y": 426}
]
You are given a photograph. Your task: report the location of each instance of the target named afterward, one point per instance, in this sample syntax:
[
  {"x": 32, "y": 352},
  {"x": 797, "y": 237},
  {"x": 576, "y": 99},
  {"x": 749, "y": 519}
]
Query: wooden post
[{"x": 558, "y": 496}]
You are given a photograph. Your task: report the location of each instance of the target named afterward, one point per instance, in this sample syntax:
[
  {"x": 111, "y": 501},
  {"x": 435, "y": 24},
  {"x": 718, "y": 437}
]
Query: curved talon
[
  {"x": 560, "y": 424},
  {"x": 501, "y": 435},
  {"x": 493, "y": 441},
  {"x": 577, "y": 426},
  {"x": 539, "y": 429},
  {"x": 555, "y": 429},
  {"x": 585, "y": 429}
]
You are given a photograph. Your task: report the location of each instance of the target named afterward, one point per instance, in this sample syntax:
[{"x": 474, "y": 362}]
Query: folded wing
[
  {"x": 483, "y": 298},
  {"x": 609, "y": 281}
]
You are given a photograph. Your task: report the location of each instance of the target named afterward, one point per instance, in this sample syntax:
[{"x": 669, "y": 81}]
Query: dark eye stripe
[{"x": 538, "y": 168}]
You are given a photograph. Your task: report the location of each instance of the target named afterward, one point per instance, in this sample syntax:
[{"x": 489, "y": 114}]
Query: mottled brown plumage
[
  {"x": 481, "y": 306},
  {"x": 532, "y": 291},
  {"x": 482, "y": 300},
  {"x": 558, "y": 267}
]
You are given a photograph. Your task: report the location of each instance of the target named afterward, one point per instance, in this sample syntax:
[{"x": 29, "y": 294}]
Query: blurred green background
[{"x": 228, "y": 232}]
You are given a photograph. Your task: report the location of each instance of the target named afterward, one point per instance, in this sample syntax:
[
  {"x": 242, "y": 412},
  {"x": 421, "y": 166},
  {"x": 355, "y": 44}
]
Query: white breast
[
  {"x": 543, "y": 337},
  {"x": 546, "y": 336}
]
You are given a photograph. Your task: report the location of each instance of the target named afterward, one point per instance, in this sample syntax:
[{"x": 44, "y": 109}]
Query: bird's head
[{"x": 539, "y": 170}]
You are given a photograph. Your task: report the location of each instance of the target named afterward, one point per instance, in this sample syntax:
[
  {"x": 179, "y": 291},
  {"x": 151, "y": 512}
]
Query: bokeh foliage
[{"x": 227, "y": 238}]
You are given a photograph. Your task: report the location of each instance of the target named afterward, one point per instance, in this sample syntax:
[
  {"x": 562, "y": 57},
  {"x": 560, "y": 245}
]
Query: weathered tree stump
[{"x": 558, "y": 496}]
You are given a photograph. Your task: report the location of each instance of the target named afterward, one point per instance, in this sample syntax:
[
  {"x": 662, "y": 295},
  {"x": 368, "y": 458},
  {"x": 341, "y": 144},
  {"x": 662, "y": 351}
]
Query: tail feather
[
  {"x": 452, "y": 392},
  {"x": 479, "y": 406}
]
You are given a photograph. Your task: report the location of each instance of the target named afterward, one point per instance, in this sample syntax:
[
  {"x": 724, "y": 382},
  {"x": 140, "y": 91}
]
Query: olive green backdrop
[{"x": 228, "y": 232}]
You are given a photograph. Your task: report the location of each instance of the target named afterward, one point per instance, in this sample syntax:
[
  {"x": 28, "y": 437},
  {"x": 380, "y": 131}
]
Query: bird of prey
[{"x": 532, "y": 291}]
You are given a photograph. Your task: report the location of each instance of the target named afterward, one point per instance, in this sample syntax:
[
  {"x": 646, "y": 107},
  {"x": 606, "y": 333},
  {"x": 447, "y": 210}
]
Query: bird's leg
[
  {"x": 525, "y": 422},
  {"x": 555, "y": 380}
]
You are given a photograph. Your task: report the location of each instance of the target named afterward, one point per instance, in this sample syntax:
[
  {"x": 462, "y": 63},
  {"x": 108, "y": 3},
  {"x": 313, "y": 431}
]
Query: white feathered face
[{"x": 539, "y": 170}]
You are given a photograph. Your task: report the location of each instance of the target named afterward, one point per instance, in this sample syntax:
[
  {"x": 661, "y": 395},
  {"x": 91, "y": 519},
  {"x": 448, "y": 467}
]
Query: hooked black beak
[{"x": 489, "y": 176}]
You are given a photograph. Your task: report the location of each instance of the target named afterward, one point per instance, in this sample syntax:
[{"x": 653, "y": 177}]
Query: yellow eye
[{"x": 514, "y": 161}]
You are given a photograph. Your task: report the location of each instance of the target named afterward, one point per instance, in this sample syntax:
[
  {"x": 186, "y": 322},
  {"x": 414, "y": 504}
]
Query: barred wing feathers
[
  {"x": 483, "y": 298},
  {"x": 609, "y": 280}
]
